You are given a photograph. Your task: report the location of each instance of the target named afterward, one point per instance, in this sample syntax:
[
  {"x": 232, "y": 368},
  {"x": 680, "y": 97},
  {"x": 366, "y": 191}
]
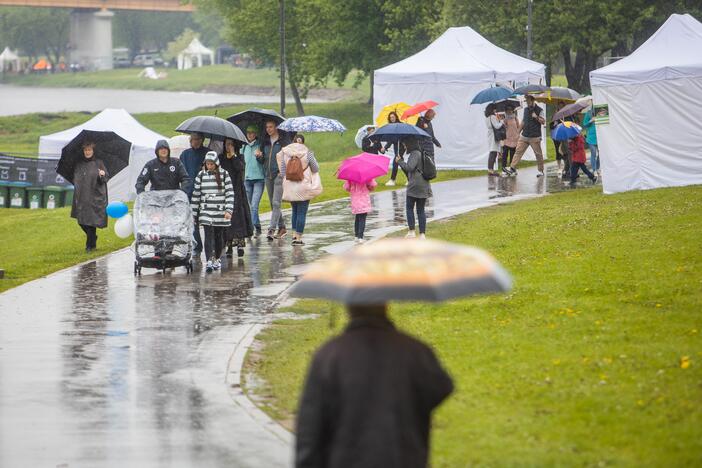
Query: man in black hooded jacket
[{"x": 164, "y": 172}]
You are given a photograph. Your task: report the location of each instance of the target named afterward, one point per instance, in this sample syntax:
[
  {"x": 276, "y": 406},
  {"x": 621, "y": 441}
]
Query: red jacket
[{"x": 577, "y": 149}]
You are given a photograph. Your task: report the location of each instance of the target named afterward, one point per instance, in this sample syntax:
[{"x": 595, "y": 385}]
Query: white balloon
[{"x": 124, "y": 226}]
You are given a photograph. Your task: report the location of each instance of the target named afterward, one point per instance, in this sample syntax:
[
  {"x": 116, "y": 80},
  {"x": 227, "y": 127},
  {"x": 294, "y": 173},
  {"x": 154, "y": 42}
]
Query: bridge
[
  {"x": 143, "y": 5},
  {"x": 91, "y": 24}
]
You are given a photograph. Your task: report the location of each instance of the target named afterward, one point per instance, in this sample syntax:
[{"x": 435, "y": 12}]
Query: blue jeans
[
  {"x": 594, "y": 156},
  {"x": 299, "y": 215},
  {"x": 254, "y": 192},
  {"x": 421, "y": 215}
]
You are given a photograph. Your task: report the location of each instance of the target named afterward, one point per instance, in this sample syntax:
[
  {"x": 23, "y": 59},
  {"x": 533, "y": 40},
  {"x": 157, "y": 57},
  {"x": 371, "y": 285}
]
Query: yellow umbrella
[{"x": 399, "y": 108}]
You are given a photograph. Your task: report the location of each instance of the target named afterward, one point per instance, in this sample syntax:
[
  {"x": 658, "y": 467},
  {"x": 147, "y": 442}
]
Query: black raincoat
[
  {"x": 368, "y": 400},
  {"x": 90, "y": 195},
  {"x": 241, "y": 226}
]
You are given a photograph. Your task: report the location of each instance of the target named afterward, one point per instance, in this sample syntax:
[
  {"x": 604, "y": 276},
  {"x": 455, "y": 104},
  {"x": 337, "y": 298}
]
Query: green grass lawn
[
  {"x": 215, "y": 78},
  {"x": 595, "y": 357}
]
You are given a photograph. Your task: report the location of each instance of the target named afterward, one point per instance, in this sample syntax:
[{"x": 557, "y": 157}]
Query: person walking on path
[
  {"x": 495, "y": 133},
  {"x": 192, "y": 158},
  {"x": 397, "y": 150},
  {"x": 360, "y": 205},
  {"x": 419, "y": 188},
  {"x": 212, "y": 203},
  {"x": 509, "y": 145},
  {"x": 164, "y": 172},
  {"x": 255, "y": 178},
  {"x": 530, "y": 136},
  {"x": 577, "y": 150},
  {"x": 90, "y": 196},
  {"x": 301, "y": 183},
  {"x": 273, "y": 143},
  {"x": 241, "y": 225},
  {"x": 368, "y": 397},
  {"x": 591, "y": 140}
]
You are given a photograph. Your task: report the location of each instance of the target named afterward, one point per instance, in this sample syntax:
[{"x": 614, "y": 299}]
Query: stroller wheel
[{"x": 136, "y": 268}]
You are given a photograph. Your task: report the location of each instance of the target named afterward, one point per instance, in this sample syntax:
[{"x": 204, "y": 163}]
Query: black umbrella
[
  {"x": 501, "y": 105},
  {"x": 111, "y": 148},
  {"x": 256, "y": 116},
  {"x": 395, "y": 131},
  {"x": 530, "y": 89},
  {"x": 211, "y": 127}
]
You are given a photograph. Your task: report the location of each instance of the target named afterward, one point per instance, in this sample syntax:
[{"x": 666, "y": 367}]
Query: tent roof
[
  {"x": 196, "y": 48},
  {"x": 8, "y": 55},
  {"x": 671, "y": 52},
  {"x": 114, "y": 120},
  {"x": 460, "y": 55}
]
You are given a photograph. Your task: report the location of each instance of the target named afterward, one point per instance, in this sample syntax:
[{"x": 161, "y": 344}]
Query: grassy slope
[
  {"x": 582, "y": 363},
  {"x": 211, "y": 78}
]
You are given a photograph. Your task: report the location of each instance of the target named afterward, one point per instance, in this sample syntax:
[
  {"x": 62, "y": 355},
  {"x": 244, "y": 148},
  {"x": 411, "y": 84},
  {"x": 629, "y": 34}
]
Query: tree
[
  {"x": 179, "y": 43},
  {"x": 36, "y": 31}
]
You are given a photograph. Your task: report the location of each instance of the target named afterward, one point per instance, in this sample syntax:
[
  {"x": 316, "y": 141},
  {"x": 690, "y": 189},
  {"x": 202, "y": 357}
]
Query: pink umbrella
[{"x": 363, "y": 168}]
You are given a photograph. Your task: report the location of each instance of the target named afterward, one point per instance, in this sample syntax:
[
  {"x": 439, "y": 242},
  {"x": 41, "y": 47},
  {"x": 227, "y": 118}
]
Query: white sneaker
[
  {"x": 540, "y": 174},
  {"x": 217, "y": 264},
  {"x": 559, "y": 174},
  {"x": 356, "y": 240},
  {"x": 208, "y": 266},
  {"x": 423, "y": 236},
  {"x": 361, "y": 241},
  {"x": 390, "y": 183},
  {"x": 410, "y": 235}
]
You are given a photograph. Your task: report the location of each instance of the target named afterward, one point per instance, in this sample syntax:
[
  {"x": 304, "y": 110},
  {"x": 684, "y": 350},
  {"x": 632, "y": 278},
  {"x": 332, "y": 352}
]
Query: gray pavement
[
  {"x": 99, "y": 368},
  {"x": 16, "y": 100}
]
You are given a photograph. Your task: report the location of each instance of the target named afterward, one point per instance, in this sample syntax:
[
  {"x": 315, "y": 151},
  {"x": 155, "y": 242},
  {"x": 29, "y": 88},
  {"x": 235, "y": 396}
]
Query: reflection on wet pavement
[{"x": 101, "y": 368}]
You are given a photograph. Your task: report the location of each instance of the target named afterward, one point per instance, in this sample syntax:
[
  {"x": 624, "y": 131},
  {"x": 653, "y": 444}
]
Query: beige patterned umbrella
[{"x": 403, "y": 270}]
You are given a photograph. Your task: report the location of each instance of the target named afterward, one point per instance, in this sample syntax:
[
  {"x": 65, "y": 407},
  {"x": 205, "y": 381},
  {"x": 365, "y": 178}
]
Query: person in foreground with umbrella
[
  {"x": 370, "y": 392},
  {"x": 193, "y": 158},
  {"x": 164, "y": 172},
  {"x": 90, "y": 196},
  {"x": 359, "y": 194},
  {"x": 241, "y": 225},
  {"x": 531, "y": 136},
  {"x": 418, "y": 188},
  {"x": 255, "y": 178},
  {"x": 212, "y": 204}
]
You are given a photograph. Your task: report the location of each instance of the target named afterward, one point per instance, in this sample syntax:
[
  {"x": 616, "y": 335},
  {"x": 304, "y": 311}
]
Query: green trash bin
[
  {"x": 68, "y": 196},
  {"x": 4, "y": 194},
  {"x": 34, "y": 197},
  {"x": 18, "y": 194},
  {"x": 53, "y": 197}
]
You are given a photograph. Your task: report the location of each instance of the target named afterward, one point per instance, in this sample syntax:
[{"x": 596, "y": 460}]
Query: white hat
[{"x": 212, "y": 156}]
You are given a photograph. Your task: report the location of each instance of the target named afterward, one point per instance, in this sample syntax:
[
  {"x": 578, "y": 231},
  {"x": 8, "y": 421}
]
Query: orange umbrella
[
  {"x": 405, "y": 270},
  {"x": 419, "y": 108}
]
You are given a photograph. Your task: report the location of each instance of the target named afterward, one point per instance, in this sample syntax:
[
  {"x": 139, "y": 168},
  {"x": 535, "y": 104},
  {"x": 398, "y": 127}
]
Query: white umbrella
[
  {"x": 585, "y": 100},
  {"x": 361, "y": 134},
  {"x": 178, "y": 144}
]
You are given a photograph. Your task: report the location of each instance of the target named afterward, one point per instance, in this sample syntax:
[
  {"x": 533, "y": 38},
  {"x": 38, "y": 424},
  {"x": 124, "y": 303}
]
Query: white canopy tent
[
  {"x": 653, "y": 97},
  {"x": 9, "y": 61},
  {"x": 192, "y": 55},
  {"x": 143, "y": 140},
  {"x": 451, "y": 71}
]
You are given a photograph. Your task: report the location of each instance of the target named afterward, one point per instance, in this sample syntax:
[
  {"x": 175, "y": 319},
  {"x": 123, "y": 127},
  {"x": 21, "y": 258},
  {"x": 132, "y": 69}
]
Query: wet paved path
[{"x": 99, "y": 368}]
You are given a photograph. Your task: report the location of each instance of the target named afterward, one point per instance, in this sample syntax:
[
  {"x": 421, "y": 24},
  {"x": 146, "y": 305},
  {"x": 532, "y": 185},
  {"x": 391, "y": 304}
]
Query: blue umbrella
[
  {"x": 496, "y": 93},
  {"x": 566, "y": 131},
  {"x": 395, "y": 131},
  {"x": 311, "y": 123}
]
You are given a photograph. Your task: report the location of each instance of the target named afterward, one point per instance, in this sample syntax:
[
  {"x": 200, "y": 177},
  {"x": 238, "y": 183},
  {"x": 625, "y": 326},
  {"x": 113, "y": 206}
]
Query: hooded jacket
[
  {"x": 210, "y": 201},
  {"x": 169, "y": 175}
]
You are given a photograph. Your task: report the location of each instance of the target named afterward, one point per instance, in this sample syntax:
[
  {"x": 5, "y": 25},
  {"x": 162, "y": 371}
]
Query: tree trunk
[
  {"x": 548, "y": 74},
  {"x": 296, "y": 95},
  {"x": 372, "y": 80},
  {"x": 578, "y": 73}
]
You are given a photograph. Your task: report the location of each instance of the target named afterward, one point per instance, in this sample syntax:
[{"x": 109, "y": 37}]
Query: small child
[
  {"x": 577, "y": 150},
  {"x": 360, "y": 204}
]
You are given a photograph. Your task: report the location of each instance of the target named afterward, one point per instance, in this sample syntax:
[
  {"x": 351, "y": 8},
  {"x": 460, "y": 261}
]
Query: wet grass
[
  {"x": 216, "y": 78},
  {"x": 595, "y": 358}
]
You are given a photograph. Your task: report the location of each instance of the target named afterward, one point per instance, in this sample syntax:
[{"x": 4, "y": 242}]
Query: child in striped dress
[{"x": 212, "y": 204}]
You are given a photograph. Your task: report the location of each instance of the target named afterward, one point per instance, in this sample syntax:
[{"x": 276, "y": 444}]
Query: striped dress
[{"x": 209, "y": 203}]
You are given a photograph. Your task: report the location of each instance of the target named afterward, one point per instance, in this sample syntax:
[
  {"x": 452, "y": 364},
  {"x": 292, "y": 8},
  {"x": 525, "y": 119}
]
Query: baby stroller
[{"x": 163, "y": 230}]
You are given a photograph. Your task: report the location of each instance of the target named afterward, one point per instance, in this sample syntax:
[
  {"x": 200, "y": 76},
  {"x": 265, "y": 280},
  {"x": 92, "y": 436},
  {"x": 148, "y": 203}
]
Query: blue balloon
[{"x": 117, "y": 209}]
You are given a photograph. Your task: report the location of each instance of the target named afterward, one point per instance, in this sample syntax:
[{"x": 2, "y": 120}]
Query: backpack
[
  {"x": 499, "y": 133},
  {"x": 428, "y": 166},
  {"x": 293, "y": 169}
]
